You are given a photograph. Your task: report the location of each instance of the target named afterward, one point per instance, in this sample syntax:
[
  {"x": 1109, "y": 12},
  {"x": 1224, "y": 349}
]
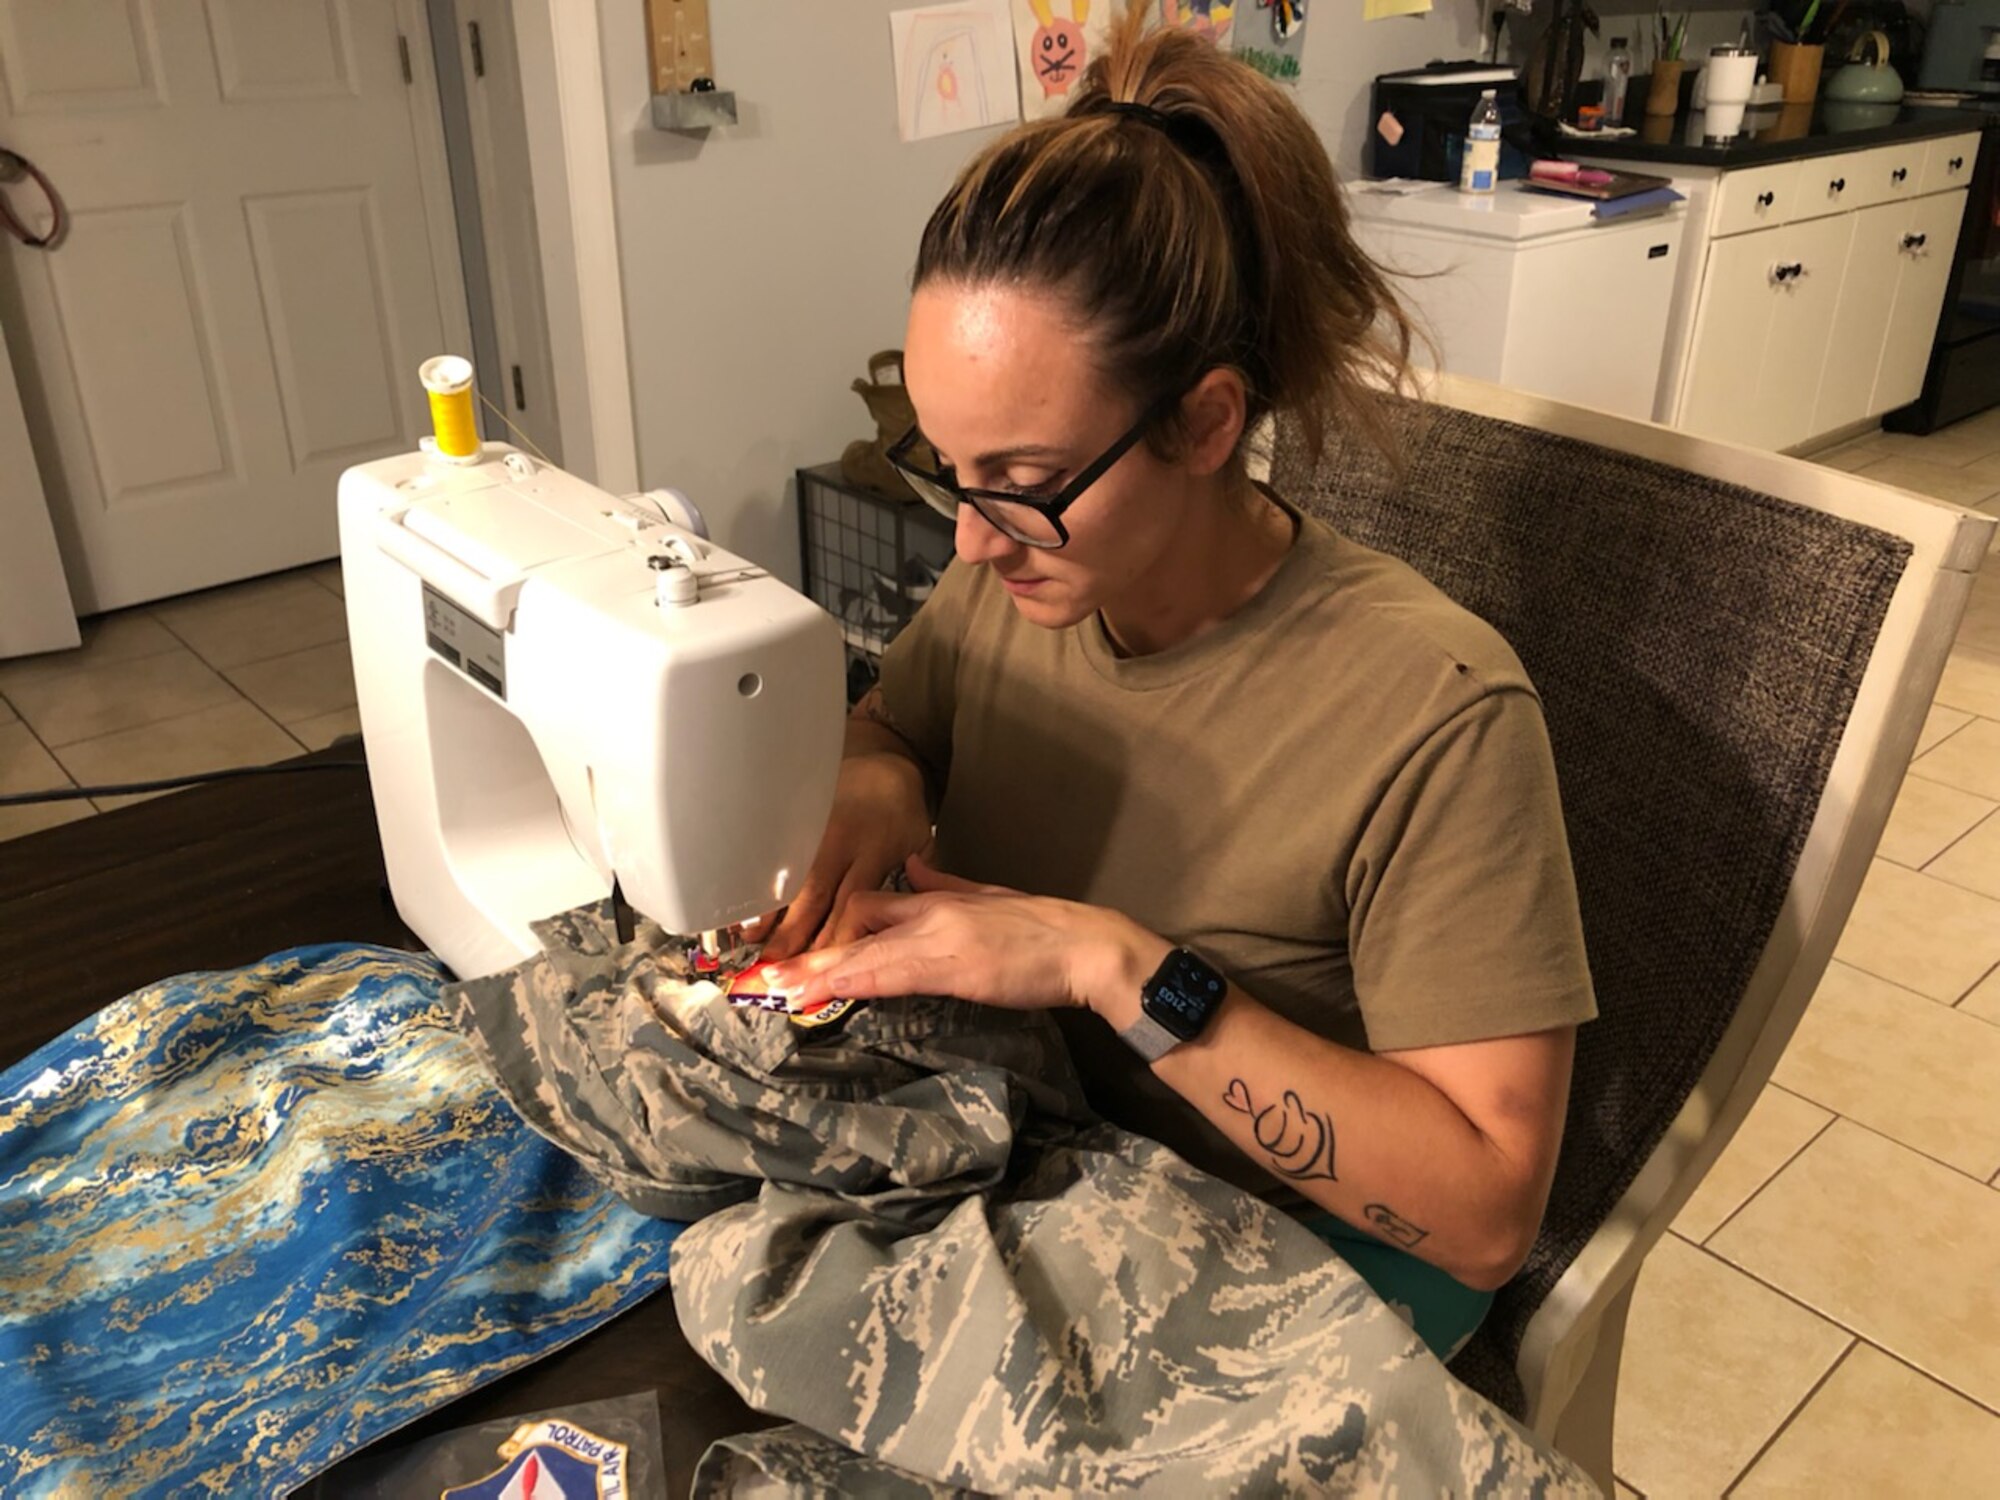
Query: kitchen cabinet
[
  {"x": 1862, "y": 322},
  {"x": 1765, "y": 330},
  {"x": 1923, "y": 251},
  {"x": 1810, "y": 289}
]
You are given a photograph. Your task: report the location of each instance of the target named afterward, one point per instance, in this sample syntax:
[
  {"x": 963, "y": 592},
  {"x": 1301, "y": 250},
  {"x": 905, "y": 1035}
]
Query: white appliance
[
  {"x": 1528, "y": 289},
  {"x": 560, "y": 690}
]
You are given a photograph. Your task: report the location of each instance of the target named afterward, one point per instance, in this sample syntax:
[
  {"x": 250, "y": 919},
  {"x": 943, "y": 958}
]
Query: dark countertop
[{"x": 1788, "y": 133}]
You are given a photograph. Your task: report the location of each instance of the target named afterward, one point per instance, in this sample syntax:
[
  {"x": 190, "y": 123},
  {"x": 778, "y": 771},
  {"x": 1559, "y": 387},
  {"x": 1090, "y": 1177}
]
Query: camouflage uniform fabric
[{"x": 914, "y": 1241}]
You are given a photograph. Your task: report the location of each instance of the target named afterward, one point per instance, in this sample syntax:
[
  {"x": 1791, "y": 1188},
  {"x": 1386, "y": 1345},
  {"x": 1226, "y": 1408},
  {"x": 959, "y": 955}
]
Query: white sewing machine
[{"x": 560, "y": 690}]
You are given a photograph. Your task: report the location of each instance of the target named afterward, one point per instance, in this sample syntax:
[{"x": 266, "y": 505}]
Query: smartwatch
[{"x": 1175, "y": 1004}]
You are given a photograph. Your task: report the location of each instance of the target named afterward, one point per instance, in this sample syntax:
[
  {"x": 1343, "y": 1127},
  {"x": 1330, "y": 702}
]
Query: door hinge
[
  {"x": 520, "y": 393},
  {"x": 478, "y": 50},
  {"x": 403, "y": 48}
]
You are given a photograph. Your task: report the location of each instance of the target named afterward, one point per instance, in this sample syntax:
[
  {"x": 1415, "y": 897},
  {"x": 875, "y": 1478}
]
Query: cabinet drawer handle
[
  {"x": 1900, "y": 174},
  {"x": 1787, "y": 273},
  {"x": 1838, "y": 185},
  {"x": 1915, "y": 241},
  {"x": 1957, "y": 164},
  {"x": 1765, "y": 200}
]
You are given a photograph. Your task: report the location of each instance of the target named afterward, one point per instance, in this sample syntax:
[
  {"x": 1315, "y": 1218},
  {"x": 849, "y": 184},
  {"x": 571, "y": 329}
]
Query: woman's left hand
[{"x": 982, "y": 943}]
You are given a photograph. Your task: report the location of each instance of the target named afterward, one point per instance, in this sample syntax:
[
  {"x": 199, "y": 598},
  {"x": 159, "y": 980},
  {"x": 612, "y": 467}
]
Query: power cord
[{"x": 171, "y": 783}]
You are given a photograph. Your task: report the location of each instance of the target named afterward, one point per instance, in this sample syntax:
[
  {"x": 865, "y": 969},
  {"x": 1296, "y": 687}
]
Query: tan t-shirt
[{"x": 1342, "y": 796}]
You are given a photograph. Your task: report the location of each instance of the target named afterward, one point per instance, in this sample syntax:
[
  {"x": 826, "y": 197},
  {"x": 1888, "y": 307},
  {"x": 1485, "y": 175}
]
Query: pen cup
[
  {"x": 1664, "y": 97},
  {"x": 1795, "y": 69}
]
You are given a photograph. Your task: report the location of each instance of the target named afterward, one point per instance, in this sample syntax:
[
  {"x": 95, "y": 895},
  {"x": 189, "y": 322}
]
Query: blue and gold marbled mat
[{"x": 252, "y": 1221}]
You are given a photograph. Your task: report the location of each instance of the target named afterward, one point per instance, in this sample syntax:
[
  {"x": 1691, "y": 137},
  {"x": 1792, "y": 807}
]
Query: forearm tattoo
[
  {"x": 1298, "y": 1141},
  {"x": 1394, "y": 1225}
]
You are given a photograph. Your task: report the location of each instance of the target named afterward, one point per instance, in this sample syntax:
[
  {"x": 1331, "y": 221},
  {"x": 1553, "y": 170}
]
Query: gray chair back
[{"x": 1698, "y": 647}]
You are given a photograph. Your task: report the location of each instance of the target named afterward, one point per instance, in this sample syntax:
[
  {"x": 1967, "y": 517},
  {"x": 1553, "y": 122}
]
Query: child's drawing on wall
[
  {"x": 954, "y": 69},
  {"x": 1211, "y": 20},
  {"x": 1055, "y": 41}
]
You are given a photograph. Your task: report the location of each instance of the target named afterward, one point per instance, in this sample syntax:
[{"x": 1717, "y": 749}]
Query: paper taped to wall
[
  {"x": 954, "y": 68},
  {"x": 1056, "y": 39}
]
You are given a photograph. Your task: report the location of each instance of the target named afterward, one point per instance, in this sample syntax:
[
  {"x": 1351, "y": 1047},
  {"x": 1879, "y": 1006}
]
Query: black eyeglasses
[{"x": 1033, "y": 522}]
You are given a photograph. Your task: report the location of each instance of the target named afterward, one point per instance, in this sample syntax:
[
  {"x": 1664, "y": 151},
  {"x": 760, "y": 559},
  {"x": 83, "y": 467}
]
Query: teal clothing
[{"x": 1444, "y": 1310}]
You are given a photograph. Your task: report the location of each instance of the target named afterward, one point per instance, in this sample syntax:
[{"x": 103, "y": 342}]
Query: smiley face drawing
[{"x": 1058, "y": 51}]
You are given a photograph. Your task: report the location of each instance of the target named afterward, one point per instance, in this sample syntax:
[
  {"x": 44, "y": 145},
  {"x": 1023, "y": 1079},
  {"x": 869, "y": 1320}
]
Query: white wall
[
  {"x": 1344, "y": 54},
  {"x": 763, "y": 264}
]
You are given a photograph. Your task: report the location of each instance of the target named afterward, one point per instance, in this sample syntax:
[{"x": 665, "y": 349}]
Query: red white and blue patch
[{"x": 551, "y": 1460}]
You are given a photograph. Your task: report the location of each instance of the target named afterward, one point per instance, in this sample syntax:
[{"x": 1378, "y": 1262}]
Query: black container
[
  {"x": 867, "y": 561},
  {"x": 1430, "y": 108}
]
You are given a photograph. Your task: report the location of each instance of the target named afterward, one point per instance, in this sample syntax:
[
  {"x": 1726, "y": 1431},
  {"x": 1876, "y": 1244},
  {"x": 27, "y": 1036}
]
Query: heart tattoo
[{"x": 1298, "y": 1140}]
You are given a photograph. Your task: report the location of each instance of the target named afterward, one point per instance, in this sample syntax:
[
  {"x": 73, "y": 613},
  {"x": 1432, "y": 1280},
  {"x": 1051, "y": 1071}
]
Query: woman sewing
[{"x": 1270, "y": 821}]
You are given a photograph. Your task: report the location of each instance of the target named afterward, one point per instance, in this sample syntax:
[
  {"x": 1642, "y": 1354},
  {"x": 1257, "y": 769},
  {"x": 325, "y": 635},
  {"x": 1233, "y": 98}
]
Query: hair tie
[{"x": 1145, "y": 114}]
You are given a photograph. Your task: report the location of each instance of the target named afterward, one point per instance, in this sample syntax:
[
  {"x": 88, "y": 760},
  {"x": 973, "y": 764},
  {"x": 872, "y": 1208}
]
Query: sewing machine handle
[{"x": 488, "y": 600}]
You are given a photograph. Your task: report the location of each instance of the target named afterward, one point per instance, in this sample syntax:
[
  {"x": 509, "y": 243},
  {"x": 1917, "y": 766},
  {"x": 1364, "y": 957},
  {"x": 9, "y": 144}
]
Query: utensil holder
[
  {"x": 1795, "y": 69},
  {"x": 1664, "y": 96}
]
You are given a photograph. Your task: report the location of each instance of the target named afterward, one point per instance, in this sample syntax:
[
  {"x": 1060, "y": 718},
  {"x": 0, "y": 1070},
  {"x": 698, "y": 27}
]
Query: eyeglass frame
[{"x": 1051, "y": 508}]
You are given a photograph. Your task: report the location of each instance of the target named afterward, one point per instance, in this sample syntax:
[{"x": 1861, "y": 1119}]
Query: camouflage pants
[{"x": 914, "y": 1242}]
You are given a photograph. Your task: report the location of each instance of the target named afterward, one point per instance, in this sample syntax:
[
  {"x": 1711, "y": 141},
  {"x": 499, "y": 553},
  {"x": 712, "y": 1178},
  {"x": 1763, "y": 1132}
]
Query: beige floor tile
[
  {"x": 1855, "y": 455},
  {"x": 1919, "y": 1072},
  {"x": 255, "y": 621},
  {"x": 1777, "y": 1128},
  {"x": 125, "y": 635},
  {"x": 26, "y": 767},
  {"x": 1940, "y": 481},
  {"x": 236, "y": 734},
  {"x": 1713, "y": 1365},
  {"x": 1921, "y": 933},
  {"x": 303, "y": 685},
  {"x": 328, "y": 575},
  {"x": 1955, "y": 446},
  {"x": 1929, "y": 817},
  {"x": 1880, "y": 1429},
  {"x": 1979, "y": 627},
  {"x": 92, "y": 700},
  {"x": 1940, "y": 724},
  {"x": 1971, "y": 683},
  {"x": 1972, "y": 862},
  {"x": 1888, "y": 1243},
  {"x": 1969, "y": 760},
  {"x": 318, "y": 733},
  {"x": 1984, "y": 1001}
]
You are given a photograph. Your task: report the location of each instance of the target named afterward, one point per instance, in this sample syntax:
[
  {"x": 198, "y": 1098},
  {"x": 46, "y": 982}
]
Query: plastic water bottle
[
  {"x": 1479, "y": 169},
  {"x": 1617, "y": 75}
]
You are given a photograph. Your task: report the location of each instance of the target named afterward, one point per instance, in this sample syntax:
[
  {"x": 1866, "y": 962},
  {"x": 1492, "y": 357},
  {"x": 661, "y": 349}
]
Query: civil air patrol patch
[{"x": 552, "y": 1460}]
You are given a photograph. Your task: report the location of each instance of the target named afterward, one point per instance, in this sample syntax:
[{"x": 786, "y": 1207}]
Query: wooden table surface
[{"x": 218, "y": 877}]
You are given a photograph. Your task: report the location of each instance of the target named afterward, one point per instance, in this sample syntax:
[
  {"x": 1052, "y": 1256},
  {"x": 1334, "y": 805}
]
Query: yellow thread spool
[{"x": 448, "y": 379}]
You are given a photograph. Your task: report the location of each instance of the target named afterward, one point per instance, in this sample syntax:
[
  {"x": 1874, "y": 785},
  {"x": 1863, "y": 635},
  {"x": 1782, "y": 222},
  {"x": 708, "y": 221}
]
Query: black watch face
[{"x": 1184, "y": 994}]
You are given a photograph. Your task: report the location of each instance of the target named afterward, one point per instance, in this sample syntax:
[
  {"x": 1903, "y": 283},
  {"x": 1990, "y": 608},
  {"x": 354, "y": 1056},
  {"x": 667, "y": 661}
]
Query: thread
[{"x": 448, "y": 380}]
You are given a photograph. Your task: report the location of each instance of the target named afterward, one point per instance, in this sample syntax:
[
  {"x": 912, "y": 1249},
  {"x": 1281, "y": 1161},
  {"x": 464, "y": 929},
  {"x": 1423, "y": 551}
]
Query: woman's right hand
[{"x": 879, "y": 820}]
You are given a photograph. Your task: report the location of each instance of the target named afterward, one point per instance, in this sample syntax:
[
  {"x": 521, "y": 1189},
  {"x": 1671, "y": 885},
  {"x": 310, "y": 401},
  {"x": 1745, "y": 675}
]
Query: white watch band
[{"x": 1149, "y": 1038}]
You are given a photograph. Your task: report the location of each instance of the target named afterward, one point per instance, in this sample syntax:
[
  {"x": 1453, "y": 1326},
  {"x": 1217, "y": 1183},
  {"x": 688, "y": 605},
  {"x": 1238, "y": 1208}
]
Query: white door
[
  {"x": 1867, "y": 293},
  {"x": 1815, "y": 253},
  {"x": 253, "y": 271},
  {"x": 1739, "y": 298},
  {"x": 35, "y": 610},
  {"x": 1924, "y": 250}
]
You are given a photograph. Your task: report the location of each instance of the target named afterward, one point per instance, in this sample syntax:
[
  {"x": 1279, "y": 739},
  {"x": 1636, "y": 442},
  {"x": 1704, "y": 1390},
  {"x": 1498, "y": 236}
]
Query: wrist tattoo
[
  {"x": 1299, "y": 1141},
  {"x": 1394, "y": 1225}
]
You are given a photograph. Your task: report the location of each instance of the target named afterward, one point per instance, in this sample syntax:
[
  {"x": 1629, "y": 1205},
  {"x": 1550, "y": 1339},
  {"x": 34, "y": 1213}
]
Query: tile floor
[
  {"x": 1824, "y": 1317},
  {"x": 242, "y": 675}
]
